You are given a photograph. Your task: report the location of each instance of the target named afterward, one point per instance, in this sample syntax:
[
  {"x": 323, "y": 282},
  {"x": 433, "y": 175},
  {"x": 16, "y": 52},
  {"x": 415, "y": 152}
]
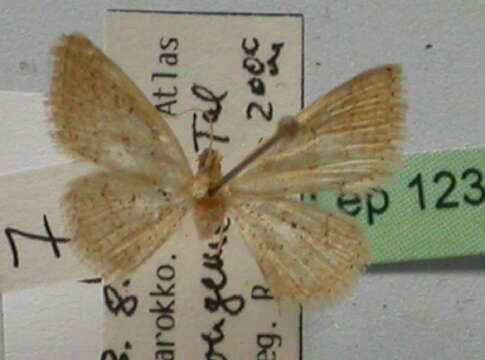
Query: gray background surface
[{"x": 435, "y": 311}]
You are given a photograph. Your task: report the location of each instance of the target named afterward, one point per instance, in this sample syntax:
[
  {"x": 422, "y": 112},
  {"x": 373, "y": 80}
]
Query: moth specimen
[{"x": 347, "y": 140}]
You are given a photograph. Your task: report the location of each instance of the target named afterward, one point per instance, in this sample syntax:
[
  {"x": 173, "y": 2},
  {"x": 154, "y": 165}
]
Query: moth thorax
[
  {"x": 209, "y": 210},
  {"x": 208, "y": 173}
]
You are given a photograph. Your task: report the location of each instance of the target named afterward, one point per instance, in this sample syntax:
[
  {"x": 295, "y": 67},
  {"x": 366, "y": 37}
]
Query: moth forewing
[
  {"x": 348, "y": 140},
  {"x": 365, "y": 115},
  {"x": 98, "y": 114}
]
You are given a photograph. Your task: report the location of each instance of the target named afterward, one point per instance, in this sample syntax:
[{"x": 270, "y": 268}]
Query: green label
[{"x": 433, "y": 208}]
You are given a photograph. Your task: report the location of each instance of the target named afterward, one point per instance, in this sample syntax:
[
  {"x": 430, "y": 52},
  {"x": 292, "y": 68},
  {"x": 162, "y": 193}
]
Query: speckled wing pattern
[
  {"x": 121, "y": 215},
  {"x": 119, "y": 220},
  {"x": 100, "y": 115},
  {"x": 307, "y": 255},
  {"x": 348, "y": 140}
]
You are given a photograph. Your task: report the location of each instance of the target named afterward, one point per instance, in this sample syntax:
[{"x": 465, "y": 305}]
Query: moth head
[{"x": 209, "y": 161}]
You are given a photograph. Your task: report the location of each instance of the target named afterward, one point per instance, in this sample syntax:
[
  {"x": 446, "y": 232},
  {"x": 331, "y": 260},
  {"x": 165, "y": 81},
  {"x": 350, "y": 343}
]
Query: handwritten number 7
[{"x": 10, "y": 232}]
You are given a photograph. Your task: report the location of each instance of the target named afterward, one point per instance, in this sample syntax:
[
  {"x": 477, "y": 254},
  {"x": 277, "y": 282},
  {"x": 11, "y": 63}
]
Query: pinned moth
[{"x": 347, "y": 140}]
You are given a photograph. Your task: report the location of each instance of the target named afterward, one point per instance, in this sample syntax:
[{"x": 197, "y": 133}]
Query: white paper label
[
  {"x": 33, "y": 244},
  {"x": 186, "y": 302}
]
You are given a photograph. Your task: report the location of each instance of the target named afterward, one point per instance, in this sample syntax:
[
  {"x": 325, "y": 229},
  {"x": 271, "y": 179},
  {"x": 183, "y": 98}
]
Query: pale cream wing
[
  {"x": 117, "y": 221},
  {"x": 305, "y": 254},
  {"x": 99, "y": 114},
  {"x": 348, "y": 140}
]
